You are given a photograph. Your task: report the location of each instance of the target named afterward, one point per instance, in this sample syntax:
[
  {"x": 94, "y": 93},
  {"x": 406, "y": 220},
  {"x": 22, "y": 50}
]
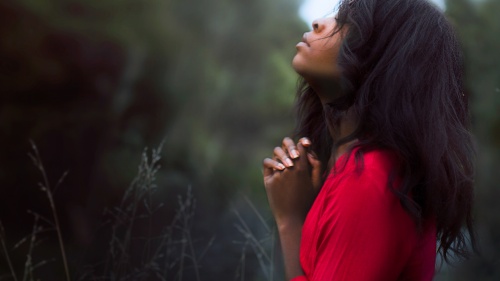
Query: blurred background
[{"x": 151, "y": 119}]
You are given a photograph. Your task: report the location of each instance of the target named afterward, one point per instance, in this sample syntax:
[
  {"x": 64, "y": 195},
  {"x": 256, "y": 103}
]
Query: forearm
[
  {"x": 290, "y": 234},
  {"x": 290, "y": 192}
]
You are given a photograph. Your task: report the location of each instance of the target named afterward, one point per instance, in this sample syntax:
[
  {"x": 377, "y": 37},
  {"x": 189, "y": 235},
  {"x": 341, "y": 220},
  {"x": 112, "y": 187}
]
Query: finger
[
  {"x": 316, "y": 171},
  {"x": 270, "y": 165},
  {"x": 302, "y": 150},
  {"x": 314, "y": 161},
  {"x": 313, "y": 154},
  {"x": 290, "y": 146},
  {"x": 280, "y": 154},
  {"x": 305, "y": 142}
]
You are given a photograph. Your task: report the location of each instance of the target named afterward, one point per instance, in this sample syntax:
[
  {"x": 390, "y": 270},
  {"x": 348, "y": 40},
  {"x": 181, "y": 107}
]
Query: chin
[{"x": 297, "y": 66}]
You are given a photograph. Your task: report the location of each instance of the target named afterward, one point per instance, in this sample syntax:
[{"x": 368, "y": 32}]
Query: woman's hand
[{"x": 292, "y": 180}]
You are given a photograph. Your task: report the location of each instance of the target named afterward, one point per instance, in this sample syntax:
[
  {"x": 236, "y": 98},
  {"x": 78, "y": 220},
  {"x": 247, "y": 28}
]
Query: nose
[{"x": 318, "y": 25}]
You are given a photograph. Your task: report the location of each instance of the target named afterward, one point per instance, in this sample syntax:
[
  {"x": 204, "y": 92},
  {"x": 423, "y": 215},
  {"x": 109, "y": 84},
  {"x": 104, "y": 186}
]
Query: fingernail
[
  {"x": 306, "y": 141},
  {"x": 289, "y": 162},
  {"x": 294, "y": 153},
  {"x": 280, "y": 166}
]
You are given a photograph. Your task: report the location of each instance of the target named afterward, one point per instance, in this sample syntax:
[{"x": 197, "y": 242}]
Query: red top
[{"x": 357, "y": 230}]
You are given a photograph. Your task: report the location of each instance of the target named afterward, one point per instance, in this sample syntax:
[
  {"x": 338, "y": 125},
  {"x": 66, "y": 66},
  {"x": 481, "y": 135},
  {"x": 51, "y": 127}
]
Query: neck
[
  {"x": 344, "y": 128},
  {"x": 328, "y": 90},
  {"x": 348, "y": 120}
]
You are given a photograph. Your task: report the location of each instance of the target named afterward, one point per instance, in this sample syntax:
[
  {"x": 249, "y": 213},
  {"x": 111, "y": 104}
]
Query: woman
[{"x": 386, "y": 169}]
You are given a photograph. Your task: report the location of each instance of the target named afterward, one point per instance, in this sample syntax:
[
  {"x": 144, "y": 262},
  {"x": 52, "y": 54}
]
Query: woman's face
[{"x": 317, "y": 54}]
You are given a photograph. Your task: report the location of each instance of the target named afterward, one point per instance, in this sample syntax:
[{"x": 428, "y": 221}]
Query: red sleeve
[{"x": 363, "y": 232}]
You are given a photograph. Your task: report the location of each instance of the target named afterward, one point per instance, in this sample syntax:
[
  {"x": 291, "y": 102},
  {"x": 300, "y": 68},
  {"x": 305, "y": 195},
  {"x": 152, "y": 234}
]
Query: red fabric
[{"x": 357, "y": 230}]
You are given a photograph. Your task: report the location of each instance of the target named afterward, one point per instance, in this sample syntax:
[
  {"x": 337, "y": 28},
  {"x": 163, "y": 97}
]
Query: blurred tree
[
  {"x": 478, "y": 25},
  {"x": 94, "y": 82}
]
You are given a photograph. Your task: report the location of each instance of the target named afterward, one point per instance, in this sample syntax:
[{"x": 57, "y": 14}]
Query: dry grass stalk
[
  {"x": 168, "y": 256},
  {"x": 264, "y": 256},
  {"x": 6, "y": 252},
  {"x": 45, "y": 187}
]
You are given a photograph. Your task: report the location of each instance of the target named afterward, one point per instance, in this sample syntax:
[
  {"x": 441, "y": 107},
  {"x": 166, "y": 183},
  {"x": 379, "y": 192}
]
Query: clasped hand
[{"x": 292, "y": 179}]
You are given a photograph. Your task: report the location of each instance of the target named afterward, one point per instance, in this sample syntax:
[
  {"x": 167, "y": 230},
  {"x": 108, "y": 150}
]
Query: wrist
[
  {"x": 290, "y": 233},
  {"x": 289, "y": 225}
]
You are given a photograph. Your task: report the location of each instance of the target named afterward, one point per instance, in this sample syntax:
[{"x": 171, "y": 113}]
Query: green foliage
[
  {"x": 94, "y": 82},
  {"x": 478, "y": 25},
  {"x": 210, "y": 77}
]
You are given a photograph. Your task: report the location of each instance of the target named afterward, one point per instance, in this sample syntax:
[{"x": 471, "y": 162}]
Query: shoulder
[
  {"x": 370, "y": 171},
  {"x": 362, "y": 186},
  {"x": 363, "y": 189}
]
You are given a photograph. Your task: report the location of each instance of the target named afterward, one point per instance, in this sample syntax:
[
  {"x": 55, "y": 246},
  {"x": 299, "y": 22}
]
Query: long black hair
[{"x": 402, "y": 75}]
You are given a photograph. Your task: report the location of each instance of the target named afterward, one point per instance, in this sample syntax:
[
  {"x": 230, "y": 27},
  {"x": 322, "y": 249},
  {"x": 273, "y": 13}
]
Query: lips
[
  {"x": 304, "y": 39},
  {"x": 303, "y": 42}
]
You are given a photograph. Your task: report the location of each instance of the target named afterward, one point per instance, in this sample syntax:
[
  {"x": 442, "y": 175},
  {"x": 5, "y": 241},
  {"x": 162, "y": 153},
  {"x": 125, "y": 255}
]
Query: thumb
[
  {"x": 316, "y": 171},
  {"x": 314, "y": 161}
]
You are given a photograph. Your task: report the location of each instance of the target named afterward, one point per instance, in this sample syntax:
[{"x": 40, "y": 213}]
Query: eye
[{"x": 315, "y": 26}]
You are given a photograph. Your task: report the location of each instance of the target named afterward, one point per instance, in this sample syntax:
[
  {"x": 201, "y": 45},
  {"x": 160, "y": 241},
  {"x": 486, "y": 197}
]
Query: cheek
[
  {"x": 316, "y": 62},
  {"x": 327, "y": 58}
]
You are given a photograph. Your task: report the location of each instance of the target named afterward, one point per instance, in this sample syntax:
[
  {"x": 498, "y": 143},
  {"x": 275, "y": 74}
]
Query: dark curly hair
[{"x": 402, "y": 75}]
